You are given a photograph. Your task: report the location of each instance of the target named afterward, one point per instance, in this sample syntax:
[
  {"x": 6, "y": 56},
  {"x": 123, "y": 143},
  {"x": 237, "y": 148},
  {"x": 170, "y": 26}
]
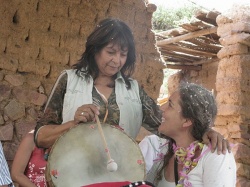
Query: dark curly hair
[
  {"x": 113, "y": 31},
  {"x": 197, "y": 104}
]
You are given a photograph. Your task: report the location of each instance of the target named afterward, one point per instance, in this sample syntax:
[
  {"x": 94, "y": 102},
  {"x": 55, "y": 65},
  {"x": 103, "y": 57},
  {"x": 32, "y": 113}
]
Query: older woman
[
  {"x": 189, "y": 162},
  {"x": 100, "y": 83}
]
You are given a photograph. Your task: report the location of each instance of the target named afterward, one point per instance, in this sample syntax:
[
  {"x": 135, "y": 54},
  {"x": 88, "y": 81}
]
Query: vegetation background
[{"x": 166, "y": 18}]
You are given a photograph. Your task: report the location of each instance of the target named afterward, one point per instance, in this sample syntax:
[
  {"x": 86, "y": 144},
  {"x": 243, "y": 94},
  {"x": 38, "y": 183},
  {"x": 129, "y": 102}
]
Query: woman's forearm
[{"x": 48, "y": 134}]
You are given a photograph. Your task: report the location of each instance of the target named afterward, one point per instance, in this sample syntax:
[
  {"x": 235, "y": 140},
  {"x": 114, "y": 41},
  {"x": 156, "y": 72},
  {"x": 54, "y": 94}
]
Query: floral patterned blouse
[
  {"x": 35, "y": 169},
  {"x": 53, "y": 112}
]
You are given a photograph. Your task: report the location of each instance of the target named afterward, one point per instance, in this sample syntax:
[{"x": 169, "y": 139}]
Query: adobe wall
[
  {"x": 233, "y": 86},
  {"x": 206, "y": 77},
  {"x": 39, "y": 39}
]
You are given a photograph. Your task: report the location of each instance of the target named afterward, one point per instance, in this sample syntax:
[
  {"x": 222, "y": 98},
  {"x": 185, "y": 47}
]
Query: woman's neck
[
  {"x": 104, "y": 81},
  {"x": 184, "y": 140}
]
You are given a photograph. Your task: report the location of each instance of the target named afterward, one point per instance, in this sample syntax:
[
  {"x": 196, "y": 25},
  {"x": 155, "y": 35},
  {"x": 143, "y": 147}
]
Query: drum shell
[{"x": 78, "y": 157}]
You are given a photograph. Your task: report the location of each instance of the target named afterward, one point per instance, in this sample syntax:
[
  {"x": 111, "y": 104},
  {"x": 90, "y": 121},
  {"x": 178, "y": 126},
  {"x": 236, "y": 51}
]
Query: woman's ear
[{"x": 187, "y": 123}]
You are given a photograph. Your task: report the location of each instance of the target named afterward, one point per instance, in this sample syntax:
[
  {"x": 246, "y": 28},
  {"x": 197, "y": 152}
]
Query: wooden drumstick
[{"x": 111, "y": 166}]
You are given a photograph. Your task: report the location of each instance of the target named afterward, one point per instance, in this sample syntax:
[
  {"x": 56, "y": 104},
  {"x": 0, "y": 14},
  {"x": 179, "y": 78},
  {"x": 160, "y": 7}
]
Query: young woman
[{"x": 187, "y": 115}]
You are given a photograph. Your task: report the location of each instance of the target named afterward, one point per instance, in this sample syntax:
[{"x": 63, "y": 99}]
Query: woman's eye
[
  {"x": 111, "y": 52},
  {"x": 124, "y": 54}
]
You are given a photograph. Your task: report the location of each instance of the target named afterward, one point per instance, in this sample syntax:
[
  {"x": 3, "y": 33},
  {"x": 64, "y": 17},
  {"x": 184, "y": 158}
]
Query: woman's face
[
  {"x": 172, "y": 120},
  {"x": 111, "y": 59}
]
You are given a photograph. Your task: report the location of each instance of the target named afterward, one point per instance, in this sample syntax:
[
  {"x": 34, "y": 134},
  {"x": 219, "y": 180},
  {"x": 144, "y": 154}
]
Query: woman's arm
[
  {"x": 151, "y": 112},
  {"x": 48, "y": 134},
  {"x": 49, "y": 127},
  {"x": 217, "y": 141},
  {"x": 21, "y": 161}
]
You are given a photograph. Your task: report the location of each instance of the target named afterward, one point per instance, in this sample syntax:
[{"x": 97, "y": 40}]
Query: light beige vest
[{"x": 79, "y": 92}]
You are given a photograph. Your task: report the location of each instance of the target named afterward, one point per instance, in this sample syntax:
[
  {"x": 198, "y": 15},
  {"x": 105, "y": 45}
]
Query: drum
[{"x": 79, "y": 158}]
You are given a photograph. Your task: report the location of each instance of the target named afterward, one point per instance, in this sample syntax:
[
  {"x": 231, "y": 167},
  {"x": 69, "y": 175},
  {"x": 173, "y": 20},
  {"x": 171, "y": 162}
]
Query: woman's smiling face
[
  {"x": 172, "y": 119},
  {"x": 111, "y": 59}
]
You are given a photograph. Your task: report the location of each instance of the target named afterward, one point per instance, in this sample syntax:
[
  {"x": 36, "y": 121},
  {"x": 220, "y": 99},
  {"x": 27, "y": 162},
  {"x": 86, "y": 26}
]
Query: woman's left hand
[
  {"x": 217, "y": 141},
  {"x": 86, "y": 113}
]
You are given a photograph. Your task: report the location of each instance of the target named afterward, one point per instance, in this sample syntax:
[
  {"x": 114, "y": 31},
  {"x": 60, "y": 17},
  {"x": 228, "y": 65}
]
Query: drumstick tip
[{"x": 112, "y": 165}]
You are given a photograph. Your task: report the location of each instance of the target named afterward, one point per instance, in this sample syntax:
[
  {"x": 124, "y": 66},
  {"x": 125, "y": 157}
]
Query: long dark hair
[
  {"x": 197, "y": 104},
  {"x": 109, "y": 30}
]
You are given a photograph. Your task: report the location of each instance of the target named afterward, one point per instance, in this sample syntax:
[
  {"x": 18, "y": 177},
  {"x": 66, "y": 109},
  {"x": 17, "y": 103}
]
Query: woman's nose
[
  {"x": 117, "y": 58},
  {"x": 163, "y": 108}
]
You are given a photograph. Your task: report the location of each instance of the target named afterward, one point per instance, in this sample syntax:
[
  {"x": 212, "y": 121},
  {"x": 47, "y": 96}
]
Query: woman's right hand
[{"x": 86, "y": 113}]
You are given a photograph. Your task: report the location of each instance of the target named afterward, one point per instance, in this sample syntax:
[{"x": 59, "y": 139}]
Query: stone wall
[{"x": 39, "y": 39}]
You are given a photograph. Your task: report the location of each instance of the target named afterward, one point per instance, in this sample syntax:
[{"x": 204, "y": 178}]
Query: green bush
[{"x": 169, "y": 18}]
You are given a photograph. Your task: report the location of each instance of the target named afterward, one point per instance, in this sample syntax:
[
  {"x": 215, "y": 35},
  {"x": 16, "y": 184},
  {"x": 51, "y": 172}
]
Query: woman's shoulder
[
  {"x": 27, "y": 143},
  {"x": 29, "y": 138},
  {"x": 209, "y": 156},
  {"x": 62, "y": 78},
  {"x": 155, "y": 145},
  {"x": 63, "y": 75},
  {"x": 156, "y": 140}
]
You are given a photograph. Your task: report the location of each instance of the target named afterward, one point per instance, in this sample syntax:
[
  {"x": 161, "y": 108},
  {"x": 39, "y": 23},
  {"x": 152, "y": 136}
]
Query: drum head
[{"x": 78, "y": 157}]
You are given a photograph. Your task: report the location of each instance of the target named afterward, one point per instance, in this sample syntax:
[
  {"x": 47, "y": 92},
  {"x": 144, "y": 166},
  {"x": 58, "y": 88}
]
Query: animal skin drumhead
[{"x": 79, "y": 158}]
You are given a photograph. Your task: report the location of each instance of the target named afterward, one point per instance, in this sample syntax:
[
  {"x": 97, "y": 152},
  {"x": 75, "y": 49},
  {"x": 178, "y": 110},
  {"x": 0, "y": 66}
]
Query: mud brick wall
[
  {"x": 233, "y": 86},
  {"x": 39, "y": 39},
  {"x": 205, "y": 77}
]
